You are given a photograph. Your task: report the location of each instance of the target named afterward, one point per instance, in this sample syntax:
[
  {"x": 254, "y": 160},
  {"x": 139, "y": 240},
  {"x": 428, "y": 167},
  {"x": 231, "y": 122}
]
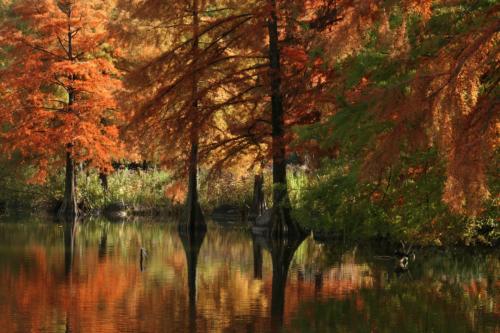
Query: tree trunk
[
  {"x": 282, "y": 222},
  {"x": 69, "y": 206},
  {"x": 258, "y": 202},
  {"x": 104, "y": 181},
  {"x": 195, "y": 217},
  {"x": 194, "y": 213}
]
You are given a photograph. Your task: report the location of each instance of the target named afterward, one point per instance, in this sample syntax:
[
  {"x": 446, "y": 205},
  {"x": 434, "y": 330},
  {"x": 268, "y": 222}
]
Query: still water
[{"x": 88, "y": 277}]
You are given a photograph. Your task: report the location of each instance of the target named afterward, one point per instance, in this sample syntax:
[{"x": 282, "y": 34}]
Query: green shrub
[
  {"x": 133, "y": 188},
  {"x": 406, "y": 205},
  {"x": 145, "y": 189}
]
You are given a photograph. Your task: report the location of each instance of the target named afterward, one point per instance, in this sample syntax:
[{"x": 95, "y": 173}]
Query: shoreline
[{"x": 162, "y": 214}]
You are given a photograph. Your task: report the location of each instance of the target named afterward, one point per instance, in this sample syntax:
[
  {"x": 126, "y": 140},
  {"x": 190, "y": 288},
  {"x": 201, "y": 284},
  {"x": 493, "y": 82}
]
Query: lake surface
[{"x": 88, "y": 277}]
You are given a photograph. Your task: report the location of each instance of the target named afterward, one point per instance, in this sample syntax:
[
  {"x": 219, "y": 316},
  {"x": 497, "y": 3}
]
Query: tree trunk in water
[
  {"x": 257, "y": 259},
  {"x": 102, "y": 249},
  {"x": 69, "y": 206},
  {"x": 258, "y": 203},
  {"x": 195, "y": 219},
  {"x": 282, "y": 223},
  {"x": 69, "y": 246}
]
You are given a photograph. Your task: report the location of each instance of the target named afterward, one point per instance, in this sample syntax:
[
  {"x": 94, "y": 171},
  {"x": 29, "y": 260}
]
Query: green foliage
[
  {"x": 137, "y": 189},
  {"x": 363, "y": 64},
  {"x": 405, "y": 203},
  {"x": 133, "y": 188},
  {"x": 3, "y": 14},
  {"x": 17, "y": 193},
  {"x": 396, "y": 18},
  {"x": 298, "y": 182},
  {"x": 485, "y": 229}
]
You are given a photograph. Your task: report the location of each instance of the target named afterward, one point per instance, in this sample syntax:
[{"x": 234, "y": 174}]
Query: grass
[
  {"x": 132, "y": 188},
  {"x": 137, "y": 189}
]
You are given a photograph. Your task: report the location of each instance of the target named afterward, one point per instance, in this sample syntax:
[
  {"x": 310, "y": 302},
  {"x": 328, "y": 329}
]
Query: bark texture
[
  {"x": 69, "y": 206},
  {"x": 282, "y": 223},
  {"x": 194, "y": 214}
]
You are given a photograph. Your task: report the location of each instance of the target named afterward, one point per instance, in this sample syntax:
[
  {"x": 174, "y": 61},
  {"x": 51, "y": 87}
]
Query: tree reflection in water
[
  {"x": 85, "y": 277},
  {"x": 191, "y": 242},
  {"x": 257, "y": 257},
  {"x": 69, "y": 245},
  {"x": 69, "y": 232},
  {"x": 282, "y": 251},
  {"x": 103, "y": 245}
]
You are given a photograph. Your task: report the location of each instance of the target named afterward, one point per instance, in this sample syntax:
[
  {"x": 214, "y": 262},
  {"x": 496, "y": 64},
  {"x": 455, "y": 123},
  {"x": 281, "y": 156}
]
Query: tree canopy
[{"x": 389, "y": 94}]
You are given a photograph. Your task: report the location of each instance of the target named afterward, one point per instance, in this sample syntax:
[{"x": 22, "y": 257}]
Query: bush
[
  {"x": 144, "y": 189},
  {"x": 405, "y": 205},
  {"x": 139, "y": 189},
  {"x": 226, "y": 189}
]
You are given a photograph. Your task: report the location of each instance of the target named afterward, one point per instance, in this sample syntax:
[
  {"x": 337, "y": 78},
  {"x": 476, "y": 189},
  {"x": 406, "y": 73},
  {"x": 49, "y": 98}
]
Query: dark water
[{"x": 87, "y": 278}]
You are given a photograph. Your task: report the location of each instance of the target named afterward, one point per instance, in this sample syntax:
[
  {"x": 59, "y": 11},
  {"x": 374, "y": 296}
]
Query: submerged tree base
[
  {"x": 282, "y": 224},
  {"x": 194, "y": 218},
  {"x": 277, "y": 223}
]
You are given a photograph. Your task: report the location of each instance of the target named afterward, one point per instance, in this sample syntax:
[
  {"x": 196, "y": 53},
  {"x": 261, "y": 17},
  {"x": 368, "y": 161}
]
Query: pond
[{"x": 88, "y": 277}]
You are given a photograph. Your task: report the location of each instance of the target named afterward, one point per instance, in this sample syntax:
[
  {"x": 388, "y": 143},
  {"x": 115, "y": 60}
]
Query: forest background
[{"x": 388, "y": 125}]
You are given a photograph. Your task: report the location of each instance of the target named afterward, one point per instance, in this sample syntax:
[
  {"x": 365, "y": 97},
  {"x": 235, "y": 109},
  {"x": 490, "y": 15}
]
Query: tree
[
  {"x": 210, "y": 78},
  {"x": 292, "y": 83},
  {"x": 58, "y": 101},
  {"x": 284, "y": 90},
  {"x": 444, "y": 87},
  {"x": 282, "y": 220},
  {"x": 298, "y": 100},
  {"x": 181, "y": 89},
  {"x": 417, "y": 91},
  {"x": 458, "y": 91}
]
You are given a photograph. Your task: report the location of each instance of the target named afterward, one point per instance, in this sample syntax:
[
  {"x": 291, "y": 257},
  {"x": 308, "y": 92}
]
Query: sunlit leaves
[{"x": 60, "y": 83}]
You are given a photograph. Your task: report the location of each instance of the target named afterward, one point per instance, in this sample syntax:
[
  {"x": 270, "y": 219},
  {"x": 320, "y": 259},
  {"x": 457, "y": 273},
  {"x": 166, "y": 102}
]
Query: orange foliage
[
  {"x": 446, "y": 106},
  {"x": 207, "y": 81},
  {"x": 463, "y": 121},
  {"x": 177, "y": 91},
  {"x": 232, "y": 70},
  {"x": 176, "y": 192},
  {"x": 58, "y": 88}
]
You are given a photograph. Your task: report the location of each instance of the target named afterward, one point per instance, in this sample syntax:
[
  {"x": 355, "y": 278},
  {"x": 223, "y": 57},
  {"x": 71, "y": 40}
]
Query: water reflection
[
  {"x": 69, "y": 245},
  {"x": 86, "y": 277},
  {"x": 103, "y": 244},
  {"x": 191, "y": 242},
  {"x": 257, "y": 257},
  {"x": 282, "y": 252}
]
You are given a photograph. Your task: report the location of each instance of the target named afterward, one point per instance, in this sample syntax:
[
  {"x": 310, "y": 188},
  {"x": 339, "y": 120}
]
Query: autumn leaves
[
  {"x": 220, "y": 84},
  {"x": 59, "y": 87}
]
